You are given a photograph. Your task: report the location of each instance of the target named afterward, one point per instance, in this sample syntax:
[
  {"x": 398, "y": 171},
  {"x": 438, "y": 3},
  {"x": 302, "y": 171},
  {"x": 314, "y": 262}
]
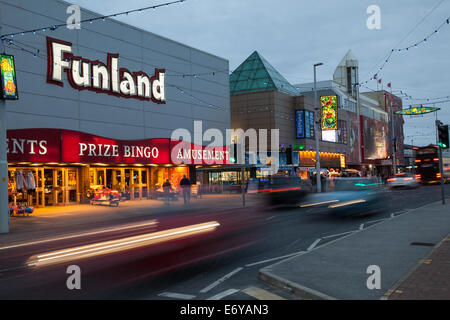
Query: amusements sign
[
  {"x": 328, "y": 105},
  {"x": 8, "y": 77}
]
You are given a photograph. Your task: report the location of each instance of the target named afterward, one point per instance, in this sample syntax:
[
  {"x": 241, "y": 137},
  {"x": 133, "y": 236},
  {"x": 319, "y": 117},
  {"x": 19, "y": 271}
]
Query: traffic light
[
  {"x": 234, "y": 156},
  {"x": 443, "y": 137}
]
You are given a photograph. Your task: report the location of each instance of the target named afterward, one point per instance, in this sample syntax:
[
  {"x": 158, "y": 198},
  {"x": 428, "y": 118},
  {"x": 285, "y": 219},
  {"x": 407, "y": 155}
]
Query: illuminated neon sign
[
  {"x": 8, "y": 77},
  {"x": 414, "y": 111},
  {"x": 328, "y": 106},
  {"x": 84, "y": 74}
]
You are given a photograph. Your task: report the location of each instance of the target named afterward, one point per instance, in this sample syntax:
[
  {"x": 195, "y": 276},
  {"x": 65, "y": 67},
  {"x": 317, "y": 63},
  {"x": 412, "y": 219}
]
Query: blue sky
[{"x": 293, "y": 35}]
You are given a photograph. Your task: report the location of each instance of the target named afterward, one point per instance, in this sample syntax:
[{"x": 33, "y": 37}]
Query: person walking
[
  {"x": 166, "y": 188},
  {"x": 185, "y": 185}
]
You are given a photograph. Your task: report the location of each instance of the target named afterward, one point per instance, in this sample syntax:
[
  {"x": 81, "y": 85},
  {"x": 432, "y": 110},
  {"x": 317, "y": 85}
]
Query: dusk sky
[{"x": 293, "y": 35}]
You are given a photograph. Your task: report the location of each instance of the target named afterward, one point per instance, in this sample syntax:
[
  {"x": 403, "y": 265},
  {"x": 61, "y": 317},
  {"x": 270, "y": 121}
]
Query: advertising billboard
[
  {"x": 300, "y": 123},
  {"x": 329, "y": 110},
  {"x": 8, "y": 77}
]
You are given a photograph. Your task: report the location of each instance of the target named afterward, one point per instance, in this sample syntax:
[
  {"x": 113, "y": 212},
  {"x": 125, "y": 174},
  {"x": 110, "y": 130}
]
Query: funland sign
[{"x": 85, "y": 74}]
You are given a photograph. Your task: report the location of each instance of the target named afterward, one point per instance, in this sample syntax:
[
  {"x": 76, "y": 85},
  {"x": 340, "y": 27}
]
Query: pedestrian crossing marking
[{"x": 261, "y": 294}]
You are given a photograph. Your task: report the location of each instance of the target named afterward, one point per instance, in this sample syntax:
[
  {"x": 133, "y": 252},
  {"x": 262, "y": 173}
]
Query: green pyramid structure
[{"x": 255, "y": 74}]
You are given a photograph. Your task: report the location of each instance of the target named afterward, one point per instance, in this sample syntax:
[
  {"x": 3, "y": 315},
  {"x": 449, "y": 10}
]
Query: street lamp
[{"x": 316, "y": 131}]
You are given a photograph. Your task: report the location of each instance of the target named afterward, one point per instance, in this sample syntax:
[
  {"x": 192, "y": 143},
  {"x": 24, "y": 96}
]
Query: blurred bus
[{"x": 427, "y": 165}]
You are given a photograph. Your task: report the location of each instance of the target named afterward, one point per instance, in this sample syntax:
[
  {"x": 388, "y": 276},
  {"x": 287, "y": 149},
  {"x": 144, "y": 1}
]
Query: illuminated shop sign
[
  {"x": 300, "y": 123},
  {"x": 414, "y": 111},
  {"x": 342, "y": 156},
  {"x": 67, "y": 146},
  {"x": 85, "y": 148},
  {"x": 304, "y": 123},
  {"x": 109, "y": 78},
  {"x": 8, "y": 77},
  {"x": 328, "y": 106},
  {"x": 188, "y": 153},
  {"x": 329, "y": 135}
]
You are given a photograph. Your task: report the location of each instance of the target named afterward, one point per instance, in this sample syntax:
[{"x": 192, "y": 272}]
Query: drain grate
[{"x": 425, "y": 244}]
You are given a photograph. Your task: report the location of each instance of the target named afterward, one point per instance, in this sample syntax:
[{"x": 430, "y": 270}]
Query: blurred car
[
  {"x": 278, "y": 190},
  {"x": 348, "y": 197},
  {"x": 403, "y": 180}
]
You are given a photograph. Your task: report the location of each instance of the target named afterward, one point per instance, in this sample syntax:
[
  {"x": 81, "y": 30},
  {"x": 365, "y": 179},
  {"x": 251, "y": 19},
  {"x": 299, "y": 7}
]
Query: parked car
[{"x": 403, "y": 180}]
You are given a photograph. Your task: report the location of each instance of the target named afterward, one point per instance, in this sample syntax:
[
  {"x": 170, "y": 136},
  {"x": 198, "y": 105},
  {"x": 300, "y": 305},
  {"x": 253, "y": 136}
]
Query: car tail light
[
  {"x": 438, "y": 175},
  {"x": 418, "y": 176},
  {"x": 391, "y": 179},
  {"x": 418, "y": 160},
  {"x": 436, "y": 159}
]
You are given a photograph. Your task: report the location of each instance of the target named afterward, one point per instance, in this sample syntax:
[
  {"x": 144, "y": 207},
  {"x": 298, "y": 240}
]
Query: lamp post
[{"x": 316, "y": 131}]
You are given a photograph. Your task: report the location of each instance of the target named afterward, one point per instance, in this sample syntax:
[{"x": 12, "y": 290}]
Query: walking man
[
  {"x": 185, "y": 186},
  {"x": 166, "y": 188}
]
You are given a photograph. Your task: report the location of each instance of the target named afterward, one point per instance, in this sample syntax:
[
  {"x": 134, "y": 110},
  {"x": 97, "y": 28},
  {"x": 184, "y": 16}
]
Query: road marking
[
  {"x": 216, "y": 283},
  {"x": 361, "y": 226},
  {"x": 272, "y": 259},
  {"x": 261, "y": 294},
  {"x": 394, "y": 214},
  {"x": 177, "y": 295},
  {"x": 379, "y": 220},
  {"x": 223, "y": 294},
  {"x": 270, "y": 218},
  {"x": 314, "y": 244},
  {"x": 339, "y": 234}
]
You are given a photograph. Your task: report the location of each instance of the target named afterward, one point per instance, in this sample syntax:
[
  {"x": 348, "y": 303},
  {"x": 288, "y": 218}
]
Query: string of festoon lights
[
  {"x": 419, "y": 101},
  {"x": 415, "y": 45},
  {"x": 90, "y": 20}
]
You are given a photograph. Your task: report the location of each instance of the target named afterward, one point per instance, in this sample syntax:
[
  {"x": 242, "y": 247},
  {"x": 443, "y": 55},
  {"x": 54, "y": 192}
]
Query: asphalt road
[
  {"x": 232, "y": 275},
  {"x": 291, "y": 231}
]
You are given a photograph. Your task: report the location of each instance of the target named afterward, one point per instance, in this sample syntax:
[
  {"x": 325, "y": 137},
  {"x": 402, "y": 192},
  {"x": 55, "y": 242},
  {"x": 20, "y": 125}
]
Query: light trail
[{"x": 106, "y": 247}]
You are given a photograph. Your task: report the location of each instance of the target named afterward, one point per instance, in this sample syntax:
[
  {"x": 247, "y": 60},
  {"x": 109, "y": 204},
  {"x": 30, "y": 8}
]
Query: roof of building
[{"x": 255, "y": 74}]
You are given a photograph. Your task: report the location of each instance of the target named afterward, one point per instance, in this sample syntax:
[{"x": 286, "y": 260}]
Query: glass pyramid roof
[{"x": 255, "y": 74}]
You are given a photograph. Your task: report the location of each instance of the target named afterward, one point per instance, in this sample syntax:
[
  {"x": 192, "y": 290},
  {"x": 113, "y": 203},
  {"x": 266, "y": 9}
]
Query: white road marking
[
  {"x": 272, "y": 259},
  {"x": 216, "y": 283},
  {"x": 270, "y": 218},
  {"x": 223, "y": 294},
  {"x": 314, "y": 244},
  {"x": 339, "y": 234},
  {"x": 379, "y": 220},
  {"x": 361, "y": 226},
  {"x": 398, "y": 213},
  {"x": 177, "y": 295}
]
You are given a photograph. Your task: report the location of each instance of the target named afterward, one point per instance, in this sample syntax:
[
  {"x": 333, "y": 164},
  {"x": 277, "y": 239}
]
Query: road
[{"x": 129, "y": 275}]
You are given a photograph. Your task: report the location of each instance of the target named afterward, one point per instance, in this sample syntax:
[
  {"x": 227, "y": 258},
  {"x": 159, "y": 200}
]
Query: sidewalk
[
  {"x": 430, "y": 280},
  {"x": 338, "y": 269},
  {"x": 58, "y": 221}
]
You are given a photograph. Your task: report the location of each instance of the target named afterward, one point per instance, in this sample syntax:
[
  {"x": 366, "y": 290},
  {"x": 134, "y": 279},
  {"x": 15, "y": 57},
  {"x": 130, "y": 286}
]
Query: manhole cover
[{"x": 425, "y": 244}]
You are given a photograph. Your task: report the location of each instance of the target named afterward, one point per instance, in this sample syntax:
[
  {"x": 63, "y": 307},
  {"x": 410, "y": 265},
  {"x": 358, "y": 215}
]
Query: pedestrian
[
  {"x": 185, "y": 185},
  {"x": 167, "y": 187}
]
